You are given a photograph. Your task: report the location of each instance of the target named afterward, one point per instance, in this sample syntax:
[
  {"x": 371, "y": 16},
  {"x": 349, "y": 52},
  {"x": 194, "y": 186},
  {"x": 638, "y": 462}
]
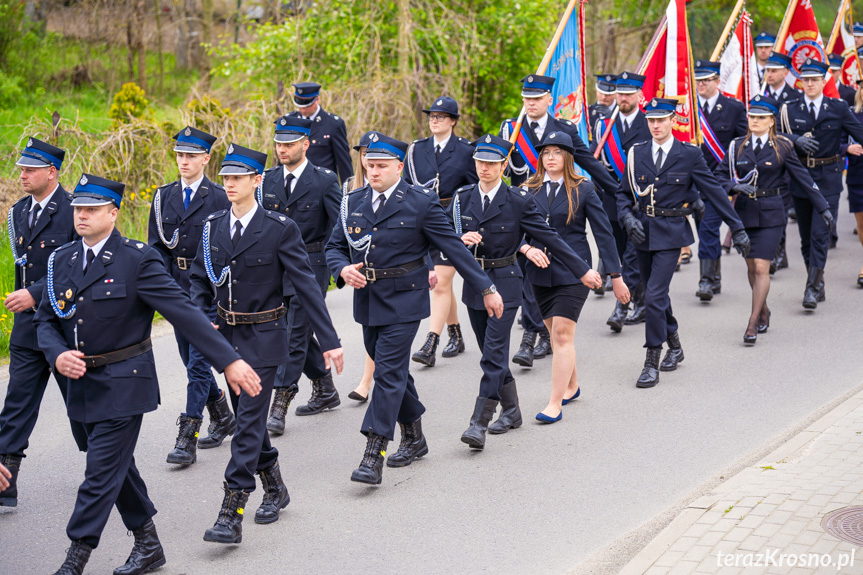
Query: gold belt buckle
[
  {"x": 481, "y": 262},
  {"x": 810, "y": 162},
  {"x": 753, "y": 195},
  {"x": 371, "y": 275},
  {"x": 650, "y": 211},
  {"x": 182, "y": 263}
]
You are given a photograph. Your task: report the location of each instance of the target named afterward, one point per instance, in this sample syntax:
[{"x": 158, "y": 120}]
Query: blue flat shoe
[
  {"x": 541, "y": 417},
  {"x": 577, "y": 393}
]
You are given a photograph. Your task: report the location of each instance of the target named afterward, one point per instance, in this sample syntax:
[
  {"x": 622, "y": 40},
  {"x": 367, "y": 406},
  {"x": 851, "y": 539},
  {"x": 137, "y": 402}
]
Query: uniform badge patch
[
  {"x": 358, "y": 230},
  {"x": 68, "y": 294},
  {"x": 61, "y": 304}
]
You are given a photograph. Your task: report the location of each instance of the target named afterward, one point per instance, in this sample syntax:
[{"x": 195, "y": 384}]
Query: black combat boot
[
  {"x": 371, "y": 469},
  {"x": 413, "y": 445},
  {"x": 9, "y": 497},
  {"x": 674, "y": 355},
  {"x": 707, "y": 282},
  {"x": 222, "y": 423},
  {"x": 639, "y": 307},
  {"x": 650, "y": 374},
  {"x": 618, "y": 317},
  {"x": 229, "y": 524},
  {"x": 324, "y": 396},
  {"x": 782, "y": 258},
  {"x": 147, "y": 553},
  {"x": 426, "y": 354},
  {"x": 282, "y": 397},
  {"x": 600, "y": 269},
  {"x": 543, "y": 347},
  {"x": 483, "y": 411},
  {"x": 455, "y": 345},
  {"x": 77, "y": 556},
  {"x": 186, "y": 449},
  {"x": 510, "y": 413},
  {"x": 814, "y": 285},
  {"x": 524, "y": 355},
  {"x": 276, "y": 495}
]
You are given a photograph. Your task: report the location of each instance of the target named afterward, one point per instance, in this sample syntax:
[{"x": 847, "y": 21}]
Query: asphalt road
[{"x": 540, "y": 499}]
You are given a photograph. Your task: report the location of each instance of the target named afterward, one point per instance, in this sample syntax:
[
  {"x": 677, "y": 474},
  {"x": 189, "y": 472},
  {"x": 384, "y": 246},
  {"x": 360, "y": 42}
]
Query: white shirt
[
  {"x": 42, "y": 204},
  {"x": 666, "y": 147},
  {"x": 297, "y": 173},
  {"x": 817, "y": 101},
  {"x": 490, "y": 194},
  {"x": 194, "y": 185},
  {"x": 549, "y": 180},
  {"x": 628, "y": 120},
  {"x": 442, "y": 144},
  {"x": 245, "y": 220},
  {"x": 711, "y": 102},
  {"x": 540, "y": 129},
  {"x": 315, "y": 115},
  {"x": 386, "y": 194},
  {"x": 763, "y": 139},
  {"x": 96, "y": 249}
]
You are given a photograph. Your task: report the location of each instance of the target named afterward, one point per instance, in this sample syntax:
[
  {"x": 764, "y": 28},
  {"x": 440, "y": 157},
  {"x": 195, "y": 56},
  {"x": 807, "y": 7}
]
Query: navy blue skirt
[
  {"x": 561, "y": 301},
  {"x": 765, "y": 241}
]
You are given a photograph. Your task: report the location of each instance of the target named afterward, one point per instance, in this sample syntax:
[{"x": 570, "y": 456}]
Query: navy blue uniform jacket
[
  {"x": 54, "y": 228},
  {"x": 269, "y": 248},
  {"x": 454, "y": 168},
  {"x": 773, "y": 163},
  {"x": 328, "y": 144},
  {"x": 586, "y": 208},
  {"x": 313, "y": 205},
  {"x": 683, "y": 171},
  {"x": 412, "y": 220},
  {"x": 115, "y": 302},
  {"x": 637, "y": 132},
  {"x": 510, "y": 216},
  {"x": 209, "y": 198}
]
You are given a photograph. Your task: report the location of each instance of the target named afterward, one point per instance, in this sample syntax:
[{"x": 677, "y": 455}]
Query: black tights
[{"x": 759, "y": 280}]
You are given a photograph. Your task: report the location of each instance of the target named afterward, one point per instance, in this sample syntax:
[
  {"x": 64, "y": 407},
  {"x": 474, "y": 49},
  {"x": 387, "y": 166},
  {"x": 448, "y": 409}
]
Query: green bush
[
  {"x": 11, "y": 91},
  {"x": 130, "y": 103}
]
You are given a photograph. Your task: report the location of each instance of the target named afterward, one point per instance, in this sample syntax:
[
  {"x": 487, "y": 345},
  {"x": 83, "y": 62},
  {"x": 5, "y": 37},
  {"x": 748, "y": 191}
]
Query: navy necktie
[
  {"x": 288, "y": 180},
  {"x": 757, "y": 147},
  {"x": 187, "y": 197},
  {"x": 659, "y": 160},
  {"x": 34, "y": 216},
  {"x": 382, "y": 199},
  {"x": 552, "y": 188},
  {"x": 812, "y": 111},
  {"x": 91, "y": 255},
  {"x": 485, "y": 203},
  {"x": 238, "y": 233}
]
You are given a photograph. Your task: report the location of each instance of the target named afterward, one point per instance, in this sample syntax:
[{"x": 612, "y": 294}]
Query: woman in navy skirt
[
  {"x": 568, "y": 202},
  {"x": 854, "y": 176},
  {"x": 753, "y": 168}
]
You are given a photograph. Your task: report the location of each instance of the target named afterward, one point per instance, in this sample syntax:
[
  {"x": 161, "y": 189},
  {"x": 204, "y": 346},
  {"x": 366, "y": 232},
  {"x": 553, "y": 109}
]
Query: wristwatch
[
  {"x": 490, "y": 290},
  {"x": 614, "y": 276}
]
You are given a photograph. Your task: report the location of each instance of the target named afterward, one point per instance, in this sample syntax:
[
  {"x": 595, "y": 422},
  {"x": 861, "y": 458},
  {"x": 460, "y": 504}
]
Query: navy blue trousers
[
  {"x": 304, "y": 352},
  {"x": 110, "y": 478},
  {"x": 251, "y": 449},
  {"x": 492, "y": 336},
  {"x": 202, "y": 387},
  {"x": 394, "y": 397},
  {"x": 709, "y": 243},
  {"x": 814, "y": 233},
  {"x": 657, "y": 269},
  {"x": 628, "y": 258},
  {"x": 28, "y": 378},
  {"x": 531, "y": 319}
]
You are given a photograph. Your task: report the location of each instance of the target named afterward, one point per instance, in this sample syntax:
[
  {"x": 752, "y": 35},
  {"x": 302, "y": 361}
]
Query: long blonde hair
[
  {"x": 358, "y": 180},
  {"x": 858, "y": 100},
  {"x": 571, "y": 181}
]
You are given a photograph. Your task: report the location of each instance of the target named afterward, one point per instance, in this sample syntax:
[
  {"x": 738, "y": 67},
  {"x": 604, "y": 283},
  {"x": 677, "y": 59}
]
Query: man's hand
[
  {"x": 634, "y": 228},
  {"x": 493, "y": 304},
  {"x": 538, "y": 257},
  {"x": 807, "y": 145},
  {"x": 432, "y": 279},
  {"x": 241, "y": 376},
  {"x": 592, "y": 279},
  {"x": 854, "y": 150},
  {"x": 5, "y": 476},
  {"x": 827, "y": 216},
  {"x": 336, "y": 358},
  {"x": 352, "y": 276},
  {"x": 471, "y": 238},
  {"x": 745, "y": 189},
  {"x": 740, "y": 239},
  {"x": 70, "y": 364},
  {"x": 621, "y": 292},
  {"x": 698, "y": 208},
  {"x": 19, "y": 300}
]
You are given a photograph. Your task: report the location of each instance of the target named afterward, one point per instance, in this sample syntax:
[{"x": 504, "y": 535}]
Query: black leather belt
[
  {"x": 765, "y": 193},
  {"x": 234, "y": 318},
  {"x": 119, "y": 355},
  {"x": 315, "y": 247},
  {"x": 490, "y": 264},
  {"x": 374, "y": 274},
  {"x": 445, "y": 201},
  {"x": 817, "y": 162},
  {"x": 184, "y": 263},
  {"x": 652, "y": 211}
]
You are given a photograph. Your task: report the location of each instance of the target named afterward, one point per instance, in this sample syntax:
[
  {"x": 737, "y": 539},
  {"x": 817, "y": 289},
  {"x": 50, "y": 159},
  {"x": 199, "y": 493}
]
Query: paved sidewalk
[{"x": 767, "y": 518}]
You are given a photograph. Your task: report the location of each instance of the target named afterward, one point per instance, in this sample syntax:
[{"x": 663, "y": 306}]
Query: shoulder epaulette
[
  {"x": 690, "y": 144},
  {"x": 417, "y": 141},
  {"x": 133, "y": 244},
  {"x": 360, "y": 189},
  {"x": 464, "y": 188},
  {"x": 276, "y": 216},
  {"x": 324, "y": 170},
  {"x": 218, "y": 214}
]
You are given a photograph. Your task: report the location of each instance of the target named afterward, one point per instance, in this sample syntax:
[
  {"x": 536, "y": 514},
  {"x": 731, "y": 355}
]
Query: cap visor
[
  {"x": 658, "y": 114},
  {"x": 627, "y": 90},
  {"x": 189, "y": 149},
  {"x": 488, "y": 157},
  {"x": 28, "y": 162},
  {"x": 377, "y": 155},
  {"x": 705, "y": 75},
  {"x": 78, "y": 200},
  {"x": 533, "y": 94},
  {"x": 359, "y": 148},
  {"x": 229, "y": 170},
  {"x": 755, "y": 111},
  {"x": 605, "y": 91},
  {"x": 288, "y": 138},
  {"x": 812, "y": 74},
  {"x": 303, "y": 102}
]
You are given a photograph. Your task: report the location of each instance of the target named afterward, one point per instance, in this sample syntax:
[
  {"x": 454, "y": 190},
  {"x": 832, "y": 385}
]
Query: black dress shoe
[
  {"x": 455, "y": 345},
  {"x": 762, "y": 327},
  {"x": 427, "y": 353},
  {"x": 147, "y": 553},
  {"x": 750, "y": 339},
  {"x": 357, "y": 397}
]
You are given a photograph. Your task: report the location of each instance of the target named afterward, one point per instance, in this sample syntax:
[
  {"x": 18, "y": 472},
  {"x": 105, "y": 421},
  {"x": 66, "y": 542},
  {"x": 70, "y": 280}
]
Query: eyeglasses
[
  {"x": 707, "y": 80},
  {"x": 551, "y": 154},
  {"x": 810, "y": 79},
  {"x": 438, "y": 117}
]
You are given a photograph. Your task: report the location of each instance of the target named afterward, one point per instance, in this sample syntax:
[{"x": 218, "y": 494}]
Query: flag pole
[
  {"x": 725, "y": 33},
  {"x": 837, "y": 26},
  {"x": 651, "y": 47},
  {"x": 693, "y": 102},
  {"x": 783, "y": 32},
  {"x": 544, "y": 64}
]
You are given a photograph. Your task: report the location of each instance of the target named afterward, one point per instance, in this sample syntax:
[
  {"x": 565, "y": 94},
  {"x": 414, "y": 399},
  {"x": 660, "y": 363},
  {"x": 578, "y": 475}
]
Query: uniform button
[
  {"x": 656, "y": 179},
  {"x": 107, "y": 293},
  {"x": 482, "y": 243},
  {"x": 183, "y": 250},
  {"x": 259, "y": 260},
  {"x": 482, "y": 229},
  {"x": 374, "y": 229},
  {"x": 371, "y": 265},
  {"x": 235, "y": 301},
  {"x": 29, "y": 266},
  {"x": 80, "y": 322},
  {"x": 29, "y": 247},
  {"x": 236, "y": 348},
  {"x": 80, "y": 299},
  {"x": 184, "y": 236},
  {"x": 412, "y": 285},
  {"x": 31, "y": 283},
  {"x": 80, "y": 344},
  {"x": 373, "y": 246},
  {"x": 134, "y": 372},
  {"x": 233, "y": 262},
  {"x": 234, "y": 282},
  {"x": 401, "y": 223}
]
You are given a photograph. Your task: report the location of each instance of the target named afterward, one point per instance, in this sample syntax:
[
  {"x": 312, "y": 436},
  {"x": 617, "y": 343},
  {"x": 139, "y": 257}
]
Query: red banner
[
  {"x": 800, "y": 39},
  {"x": 739, "y": 77}
]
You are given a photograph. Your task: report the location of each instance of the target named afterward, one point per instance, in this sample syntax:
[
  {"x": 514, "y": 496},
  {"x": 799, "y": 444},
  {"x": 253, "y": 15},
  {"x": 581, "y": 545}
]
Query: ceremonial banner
[
  {"x": 667, "y": 67},
  {"x": 524, "y": 147},
  {"x": 569, "y": 97},
  {"x": 842, "y": 42},
  {"x": 739, "y": 77},
  {"x": 800, "y": 39}
]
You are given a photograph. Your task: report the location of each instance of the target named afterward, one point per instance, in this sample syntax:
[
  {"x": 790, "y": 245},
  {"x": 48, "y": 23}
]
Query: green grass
[{"x": 7, "y": 285}]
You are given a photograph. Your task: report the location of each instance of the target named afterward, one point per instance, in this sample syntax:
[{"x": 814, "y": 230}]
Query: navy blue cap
[
  {"x": 836, "y": 61},
  {"x": 660, "y": 107},
  {"x": 305, "y": 92},
  {"x": 765, "y": 39},
  {"x": 778, "y": 61},
  {"x": 445, "y": 105},
  {"x": 383, "y": 147},
  {"x": 605, "y": 83},
  {"x": 193, "y": 141},
  {"x": 534, "y": 86},
  {"x": 858, "y": 29},
  {"x": 560, "y": 139},
  {"x": 291, "y": 128},
  {"x": 629, "y": 83},
  {"x": 763, "y": 106},
  {"x": 240, "y": 161},
  {"x": 95, "y": 191},
  {"x": 813, "y": 69},
  {"x": 39, "y": 154},
  {"x": 705, "y": 69},
  {"x": 491, "y": 148},
  {"x": 365, "y": 140}
]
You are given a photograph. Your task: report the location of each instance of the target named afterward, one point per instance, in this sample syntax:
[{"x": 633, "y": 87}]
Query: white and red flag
[
  {"x": 739, "y": 77},
  {"x": 801, "y": 40},
  {"x": 842, "y": 42}
]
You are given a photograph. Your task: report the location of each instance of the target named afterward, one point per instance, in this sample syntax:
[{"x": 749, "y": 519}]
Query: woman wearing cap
[
  {"x": 754, "y": 168},
  {"x": 442, "y": 162},
  {"x": 567, "y": 201},
  {"x": 854, "y": 177}
]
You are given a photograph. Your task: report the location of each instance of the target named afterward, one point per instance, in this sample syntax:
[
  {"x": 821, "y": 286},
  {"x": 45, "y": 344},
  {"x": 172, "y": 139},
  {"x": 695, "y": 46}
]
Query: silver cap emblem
[
  {"x": 653, "y": 102},
  {"x": 283, "y": 122},
  {"x": 530, "y": 79},
  {"x": 231, "y": 149},
  {"x": 624, "y": 76},
  {"x": 188, "y": 131},
  {"x": 30, "y": 143},
  {"x": 83, "y": 181},
  {"x": 488, "y": 139},
  {"x": 374, "y": 138},
  {"x": 551, "y": 137}
]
